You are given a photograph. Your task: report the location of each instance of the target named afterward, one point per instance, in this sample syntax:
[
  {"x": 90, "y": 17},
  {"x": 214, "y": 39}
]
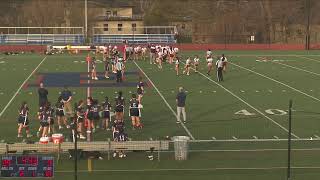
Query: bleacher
[
  {"x": 41, "y": 39},
  {"x": 100, "y": 39}
]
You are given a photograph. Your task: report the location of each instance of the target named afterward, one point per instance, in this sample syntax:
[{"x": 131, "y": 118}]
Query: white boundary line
[
  {"x": 267, "y": 77},
  {"x": 293, "y": 67},
  {"x": 16, "y": 93},
  {"x": 190, "y": 169},
  {"x": 165, "y": 101},
  {"x": 240, "y": 99},
  {"x": 307, "y": 58}
]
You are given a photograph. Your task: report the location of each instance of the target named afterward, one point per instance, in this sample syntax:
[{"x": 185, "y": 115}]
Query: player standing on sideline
[
  {"x": 210, "y": 64},
  {"x": 140, "y": 89},
  {"x": 171, "y": 54},
  {"x": 96, "y": 116},
  {"x": 106, "y": 66},
  {"x": 181, "y": 103},
  {"x": 159, "y": 58},
  {"x": 106, "y": 108},
  {"x": 51, "y": 128},
  {"x": 219, "y": 66},
  {"x": 80, "y": 118},
  {"x": 66, "y": 98},
  {"x": 94, "y": 69},
  {"x": 134, "y": 112},
  {"x": 89, "y": 113},
  {"x": 119, "y": 106},
  {"x": 152, "y": 54},
  {"x": 43, "y": 95},
  {"x": 119, "y": 67},
  {"x": 196, "y": 63},
  {"x": 144, "y": 53},
  {"x": 60, "y": 114},
  {"x": 44, "y": 117},
  {"x": 187, "y": 67},
  {"x": 23, "y": 121},
  {"x": 177, "y": 64}
]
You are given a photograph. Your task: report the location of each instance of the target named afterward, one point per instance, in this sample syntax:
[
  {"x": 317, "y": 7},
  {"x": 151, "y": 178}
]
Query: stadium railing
[
  {"x": 41, "y": 35},
  {"x": 101, "y": 146},
  {"x": 136, "y": 39}
]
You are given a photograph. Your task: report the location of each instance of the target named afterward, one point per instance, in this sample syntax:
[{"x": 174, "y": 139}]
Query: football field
[{"x": 238, "y": 127}]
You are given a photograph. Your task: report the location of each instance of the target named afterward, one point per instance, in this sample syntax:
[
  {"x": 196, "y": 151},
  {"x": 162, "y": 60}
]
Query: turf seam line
[
  {"x": 25, "y": 81},
  {"x": 279, "y": 82},
  {"x": 257, "y": 110},
  {"x": 166, "y": 102},
  {"x": 293, "y": 67}
]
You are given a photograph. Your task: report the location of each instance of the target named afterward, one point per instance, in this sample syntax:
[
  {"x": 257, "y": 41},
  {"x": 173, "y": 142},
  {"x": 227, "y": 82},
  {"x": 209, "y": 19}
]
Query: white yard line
[
  {"x": 190, "y": 169},
  {"x": 267, "y": 77},
  {"x": 165, "y": 101},
  {"x": 293, "y": 67},
  {"x": 18, "y": 90},
  {"x": 245, "y": 102}
]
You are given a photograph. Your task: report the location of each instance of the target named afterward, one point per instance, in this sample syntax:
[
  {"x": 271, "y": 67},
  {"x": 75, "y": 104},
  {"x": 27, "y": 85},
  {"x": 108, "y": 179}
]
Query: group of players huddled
[{"x": 86, "y": 116}]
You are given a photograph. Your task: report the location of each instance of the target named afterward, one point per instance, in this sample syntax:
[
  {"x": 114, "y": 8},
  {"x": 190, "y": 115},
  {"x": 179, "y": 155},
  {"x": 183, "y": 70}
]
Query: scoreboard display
[{"x": 27, "y": 166}]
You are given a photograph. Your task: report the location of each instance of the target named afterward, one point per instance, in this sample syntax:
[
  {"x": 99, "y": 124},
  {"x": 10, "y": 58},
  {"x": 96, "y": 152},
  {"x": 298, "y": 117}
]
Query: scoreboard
[{"x": 27, "y": 166}]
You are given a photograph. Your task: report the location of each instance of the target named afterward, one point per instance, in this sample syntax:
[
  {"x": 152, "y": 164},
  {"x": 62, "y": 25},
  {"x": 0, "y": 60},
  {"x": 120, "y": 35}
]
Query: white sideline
[
  {"x": 190, "y": 169},
  {"x": 286, "y": 85},
  {"x": 240, "y": 99},
  {"x": 293, "y": 67},
  {"x": 165, "y": 101},
  {"x": 16, "y": 93}
]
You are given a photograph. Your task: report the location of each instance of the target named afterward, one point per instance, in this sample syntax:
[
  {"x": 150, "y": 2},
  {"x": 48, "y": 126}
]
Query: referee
[
  {"x": 119, "y": 69},
  {"x": 219, "y": 65}
]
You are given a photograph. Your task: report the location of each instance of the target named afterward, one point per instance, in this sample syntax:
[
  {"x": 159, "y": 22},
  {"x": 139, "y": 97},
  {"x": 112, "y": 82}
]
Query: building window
[
  {"x": 134, "y": 26},
  {"x": 106, "y": 27},
  {"x": 108, "y": 13},
  {"x": 114, "y": 13},
  {"x": 119, "y": 27},
  {"x": 183, "y": 26}
]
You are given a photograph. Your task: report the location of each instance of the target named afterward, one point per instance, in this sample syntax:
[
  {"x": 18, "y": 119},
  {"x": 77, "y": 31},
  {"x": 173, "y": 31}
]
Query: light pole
[{"x": 86, "y": 19}]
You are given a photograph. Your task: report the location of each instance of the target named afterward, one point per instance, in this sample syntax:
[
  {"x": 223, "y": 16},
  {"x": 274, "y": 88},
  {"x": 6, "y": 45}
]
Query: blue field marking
[{"x": 80, "y": 79}]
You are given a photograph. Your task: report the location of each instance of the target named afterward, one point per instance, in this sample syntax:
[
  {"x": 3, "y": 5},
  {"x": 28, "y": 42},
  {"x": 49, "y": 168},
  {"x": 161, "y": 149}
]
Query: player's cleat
[
  {"x": 68, "y": 127},
  {"x": 100, "y": 158},
  {"x": 107, "y": 77},
  {"x": 29, "y": 135},
  {"x": 96, "y": 78},
  {"x": 177, "y": 122},
  {"x": 60, "y": 127},
  {"x": 184, "y": 122},
  {"x": 19, "y": 136},
  {"x": 114, "y": 154},
  {"x": 94, "y": 130}
]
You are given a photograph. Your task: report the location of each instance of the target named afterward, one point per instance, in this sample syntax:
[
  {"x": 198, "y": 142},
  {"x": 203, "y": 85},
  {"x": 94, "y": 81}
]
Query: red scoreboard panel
[{"x": 27, "y": 166}]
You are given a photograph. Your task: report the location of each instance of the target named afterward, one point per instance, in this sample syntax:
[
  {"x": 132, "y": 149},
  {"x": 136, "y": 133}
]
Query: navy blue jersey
[
  {"x": 106, "y": 106},
  {"x": 134, "y": 103},
  {"x": 121, "y": 137},
  {"x": 59, "y": 106},
  {"x": 119, "y": 102},
  {"x": 23, "y": 112},
  {"x": 118, "y": 126},
  {"x": 80, "y": 111}
]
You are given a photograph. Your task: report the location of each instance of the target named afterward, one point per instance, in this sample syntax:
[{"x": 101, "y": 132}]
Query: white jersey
[
  {"x": 225, "y": 59},
  {"x": 177, "y": 62},
  {"x": 219, "y": 63},
  {"x": 210, "y": 60},
  {"x": 144, "y": 50},
  {"x": 196, "y": 60},
  {"x": 209, "y": 54},
  {"x": 188, "y": 62}
]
